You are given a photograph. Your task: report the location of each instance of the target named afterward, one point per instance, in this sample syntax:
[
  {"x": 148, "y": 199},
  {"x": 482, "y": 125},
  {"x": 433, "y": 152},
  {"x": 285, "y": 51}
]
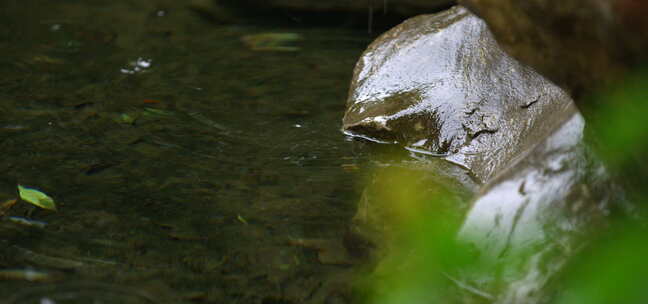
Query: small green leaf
[
  {"x": 125, "y": 118},
  {"x": 36, "y": 197}
]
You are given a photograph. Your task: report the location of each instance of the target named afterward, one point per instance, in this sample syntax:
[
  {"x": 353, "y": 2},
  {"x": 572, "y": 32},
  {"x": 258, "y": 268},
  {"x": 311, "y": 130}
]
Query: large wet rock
[
  {"x": 581, "y": 45},
  {"x": 441, "y": 85}
]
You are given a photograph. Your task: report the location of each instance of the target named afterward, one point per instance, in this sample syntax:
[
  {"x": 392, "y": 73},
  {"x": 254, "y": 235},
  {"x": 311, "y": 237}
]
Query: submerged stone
[{"x": 440, "y": 85}]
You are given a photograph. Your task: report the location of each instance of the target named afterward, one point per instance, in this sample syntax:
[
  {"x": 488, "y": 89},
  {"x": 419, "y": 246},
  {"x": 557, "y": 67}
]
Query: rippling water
[{"x": 181, "y": 160}]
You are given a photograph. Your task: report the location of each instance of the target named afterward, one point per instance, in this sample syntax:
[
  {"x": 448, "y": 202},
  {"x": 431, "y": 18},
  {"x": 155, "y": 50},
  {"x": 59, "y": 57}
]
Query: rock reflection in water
[{"x": 529, "y": 221}]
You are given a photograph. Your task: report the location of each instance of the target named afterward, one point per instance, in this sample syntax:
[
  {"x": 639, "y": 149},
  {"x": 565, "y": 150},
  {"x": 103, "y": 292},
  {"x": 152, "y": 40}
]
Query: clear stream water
[{"x": 181, "y": 160}]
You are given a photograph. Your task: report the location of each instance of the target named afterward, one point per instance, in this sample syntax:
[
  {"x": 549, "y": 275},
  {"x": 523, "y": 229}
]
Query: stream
[{"x": 182, "y": 161}]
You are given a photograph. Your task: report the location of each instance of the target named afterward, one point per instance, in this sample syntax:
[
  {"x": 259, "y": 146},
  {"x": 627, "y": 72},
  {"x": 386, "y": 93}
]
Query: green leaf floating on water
[{"x": 36, "y": 197}]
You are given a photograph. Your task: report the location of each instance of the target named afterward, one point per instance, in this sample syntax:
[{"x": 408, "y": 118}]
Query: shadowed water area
[{"x": 182, "y": 161}]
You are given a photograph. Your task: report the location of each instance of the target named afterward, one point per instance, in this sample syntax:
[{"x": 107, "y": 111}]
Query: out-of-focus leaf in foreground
[
  {"x": 619, "y": 130},
  {"x": 36, "y": 197},
  {"x": 421, "y": 250},
  {"x": 613, "y": 270}
]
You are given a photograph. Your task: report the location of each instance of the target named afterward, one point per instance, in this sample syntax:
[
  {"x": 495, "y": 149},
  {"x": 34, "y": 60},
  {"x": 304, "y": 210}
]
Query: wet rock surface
[{"x": 440, "y": 85}]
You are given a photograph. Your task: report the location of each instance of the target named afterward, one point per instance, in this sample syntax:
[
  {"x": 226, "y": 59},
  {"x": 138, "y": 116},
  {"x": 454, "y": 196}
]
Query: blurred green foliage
[
  {"x": 612, "y": 268},
  {"x": 420, "y": 247},
  {"x": 619, "y": 123}
]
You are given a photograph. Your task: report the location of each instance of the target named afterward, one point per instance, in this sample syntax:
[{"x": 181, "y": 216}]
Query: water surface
[{"x": 181, "y": 160}]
